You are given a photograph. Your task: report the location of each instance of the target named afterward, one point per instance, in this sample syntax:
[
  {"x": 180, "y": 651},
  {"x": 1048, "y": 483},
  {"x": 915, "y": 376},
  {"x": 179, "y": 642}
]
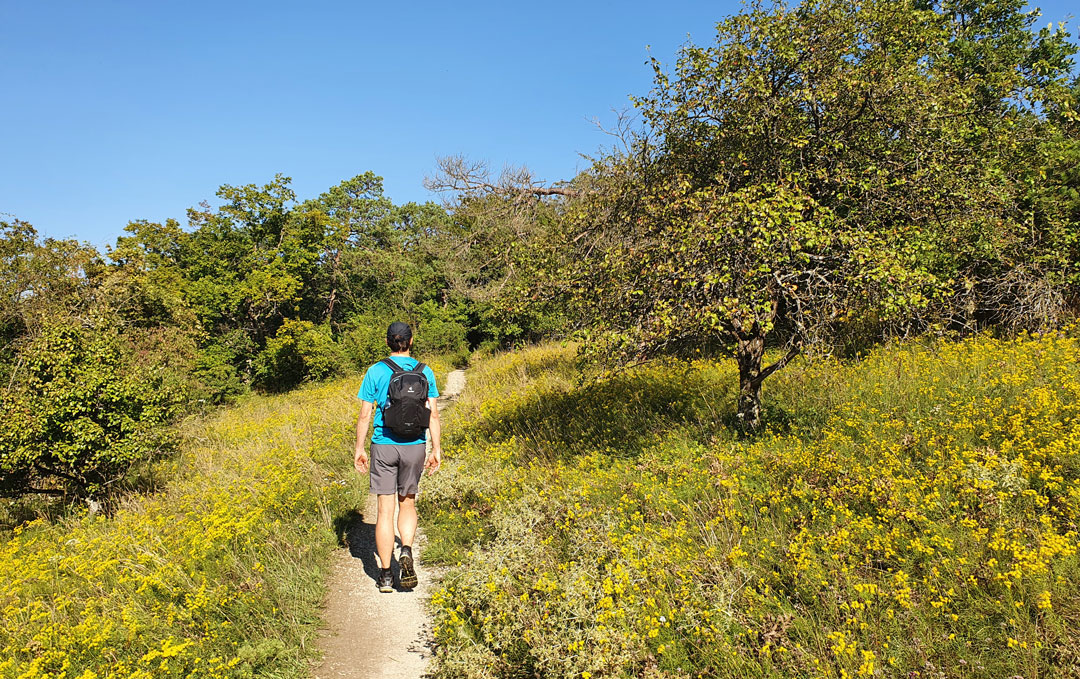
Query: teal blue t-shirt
[{"x": 374, "y": 389}]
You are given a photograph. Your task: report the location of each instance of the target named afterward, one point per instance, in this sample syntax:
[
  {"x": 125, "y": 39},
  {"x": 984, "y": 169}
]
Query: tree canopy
[
  {"x": 826, "y": 169},
  {"x": 100, "y": 353}
]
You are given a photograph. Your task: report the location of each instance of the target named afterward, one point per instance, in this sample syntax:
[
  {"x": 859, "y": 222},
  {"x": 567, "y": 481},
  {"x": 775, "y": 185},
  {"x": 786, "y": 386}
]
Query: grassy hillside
[
  {"x": 912, "y": 514},
  {"x": 219, "y": 575}
]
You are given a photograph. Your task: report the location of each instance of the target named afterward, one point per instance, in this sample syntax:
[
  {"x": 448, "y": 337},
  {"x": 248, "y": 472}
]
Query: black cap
[{"x": 399, "y": 330}]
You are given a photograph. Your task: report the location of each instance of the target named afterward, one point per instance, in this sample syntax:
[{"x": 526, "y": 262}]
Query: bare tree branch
[{"x": 457, "y": 174}]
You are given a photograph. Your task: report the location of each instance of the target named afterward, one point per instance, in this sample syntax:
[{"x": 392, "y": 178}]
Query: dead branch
[{"x": 459, "y": 175}]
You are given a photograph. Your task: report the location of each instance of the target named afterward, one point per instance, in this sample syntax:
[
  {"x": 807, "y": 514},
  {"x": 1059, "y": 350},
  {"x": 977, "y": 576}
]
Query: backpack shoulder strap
[
  {"x": 419, "y": 368},
  {"x": 393, "y": 366}
]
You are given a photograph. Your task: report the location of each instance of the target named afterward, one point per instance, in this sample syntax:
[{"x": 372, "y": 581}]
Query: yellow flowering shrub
[
  {"x": 219, "y": 575},
  {"x": 910, "y": 514}
]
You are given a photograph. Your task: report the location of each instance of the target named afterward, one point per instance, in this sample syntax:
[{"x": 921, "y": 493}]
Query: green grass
[
  {"x": 221, "y": 574},
  {"x": 912, "y": 513},
  {"x": 218, "y": 571}
]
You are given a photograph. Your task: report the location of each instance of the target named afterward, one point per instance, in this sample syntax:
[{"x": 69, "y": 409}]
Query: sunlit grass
[
  {"x": 909, "y": 514},
  {"x": 221, "y": 574}
]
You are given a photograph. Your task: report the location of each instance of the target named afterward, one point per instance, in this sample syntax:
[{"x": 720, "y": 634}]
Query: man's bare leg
[
  {"x": 384, "y": 529},
  {"x": 407, "y": 530},
  {"x": 406, "y": 521}
]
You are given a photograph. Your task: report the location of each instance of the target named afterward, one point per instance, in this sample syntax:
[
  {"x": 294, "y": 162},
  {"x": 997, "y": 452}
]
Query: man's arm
[
  {"x": 434, "y": 459},
  {"x": 360, "y": 458}
]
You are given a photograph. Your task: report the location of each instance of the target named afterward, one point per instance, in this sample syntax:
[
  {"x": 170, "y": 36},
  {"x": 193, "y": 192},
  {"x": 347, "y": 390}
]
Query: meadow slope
[
  {"x": 910, "y": 514},
  {"x": 221, "y": 574}
]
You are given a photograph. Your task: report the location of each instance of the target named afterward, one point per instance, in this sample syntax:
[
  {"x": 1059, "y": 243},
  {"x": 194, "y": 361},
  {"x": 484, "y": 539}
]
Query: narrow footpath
[{"x": 368, "y": 634}]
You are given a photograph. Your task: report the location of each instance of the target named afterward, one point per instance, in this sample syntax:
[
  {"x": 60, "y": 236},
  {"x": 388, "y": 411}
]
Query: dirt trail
[{"x": 368, "y": 634}]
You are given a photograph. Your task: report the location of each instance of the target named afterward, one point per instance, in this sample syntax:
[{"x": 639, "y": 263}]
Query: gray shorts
[{"x": 396, "y": 469}]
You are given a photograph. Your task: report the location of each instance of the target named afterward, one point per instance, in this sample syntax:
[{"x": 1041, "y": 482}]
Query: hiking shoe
[
  {"x": 408, "y": 572},
  {"x": 385, "y": 581}
]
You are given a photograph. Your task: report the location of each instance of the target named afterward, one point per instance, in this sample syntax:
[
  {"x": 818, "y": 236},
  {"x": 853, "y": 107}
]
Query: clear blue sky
[{"x": 113, "y": 111}]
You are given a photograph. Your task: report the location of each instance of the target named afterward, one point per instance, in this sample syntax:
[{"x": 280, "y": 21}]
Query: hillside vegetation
[
  {"x": 822, "y": 178},
  {"x": 102, "y": 352},
  {"x": 824, "y": 175},
  {"x": 910, "y": 514},
  {"x": 219, "y": 575}
]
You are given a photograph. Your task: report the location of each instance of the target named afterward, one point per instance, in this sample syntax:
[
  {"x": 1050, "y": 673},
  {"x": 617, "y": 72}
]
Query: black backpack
[{"x": 406, "y": 412}]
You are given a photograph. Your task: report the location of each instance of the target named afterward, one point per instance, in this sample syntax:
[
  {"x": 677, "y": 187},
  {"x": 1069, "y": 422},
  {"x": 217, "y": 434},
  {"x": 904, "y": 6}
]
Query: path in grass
[{"x": 369, "y": 634}]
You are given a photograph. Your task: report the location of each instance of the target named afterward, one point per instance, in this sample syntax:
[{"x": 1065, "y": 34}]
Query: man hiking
[{"x": 402, "y": 393}]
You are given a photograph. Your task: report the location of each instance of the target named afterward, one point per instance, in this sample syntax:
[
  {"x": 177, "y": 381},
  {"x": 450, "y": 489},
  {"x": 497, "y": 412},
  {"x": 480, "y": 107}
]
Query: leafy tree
[
  {"x": 819, "y": 166},
  {"x": 1021, "y": 279},
  {"x": 41, "y": 280},
  {"x": 83, "y": 410},
  {"x": 375, "y": 255},
  {"x": 1037, "y": 282},
  {"x": 502, "y": 235},
  {"x": 247, "y": 262},
  {"x": 146, "y": 284},
  {"x": 246, "y": 277},
  {"x": 357, "y": 218}
]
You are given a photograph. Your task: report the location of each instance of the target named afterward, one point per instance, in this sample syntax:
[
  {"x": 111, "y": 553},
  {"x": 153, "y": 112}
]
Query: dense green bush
[
  {"x": 299, "y": 351},
  {"x": 84, "y": 409},
  {"x": 216, "y": 368},
  {"x": 441, "y": 330},
  {"x": 364, "y": 341}
]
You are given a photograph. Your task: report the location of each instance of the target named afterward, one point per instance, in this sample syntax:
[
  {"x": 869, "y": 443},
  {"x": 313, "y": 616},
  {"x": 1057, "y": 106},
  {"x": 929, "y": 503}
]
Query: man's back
[{"x": 374, "y": 389}]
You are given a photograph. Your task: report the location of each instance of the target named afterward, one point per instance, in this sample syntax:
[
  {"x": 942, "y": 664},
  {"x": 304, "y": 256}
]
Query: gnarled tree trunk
[
  {"x": 748, "y": 353},
  {"x": 749, "y": 350}
]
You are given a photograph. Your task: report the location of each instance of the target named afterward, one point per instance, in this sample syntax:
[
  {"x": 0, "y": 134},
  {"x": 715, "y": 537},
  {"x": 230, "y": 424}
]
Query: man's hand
[
  {"x": 434, "y": 461},
  {"x": 434, "y": 458},
  {"x": 360, "y": 457}
]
